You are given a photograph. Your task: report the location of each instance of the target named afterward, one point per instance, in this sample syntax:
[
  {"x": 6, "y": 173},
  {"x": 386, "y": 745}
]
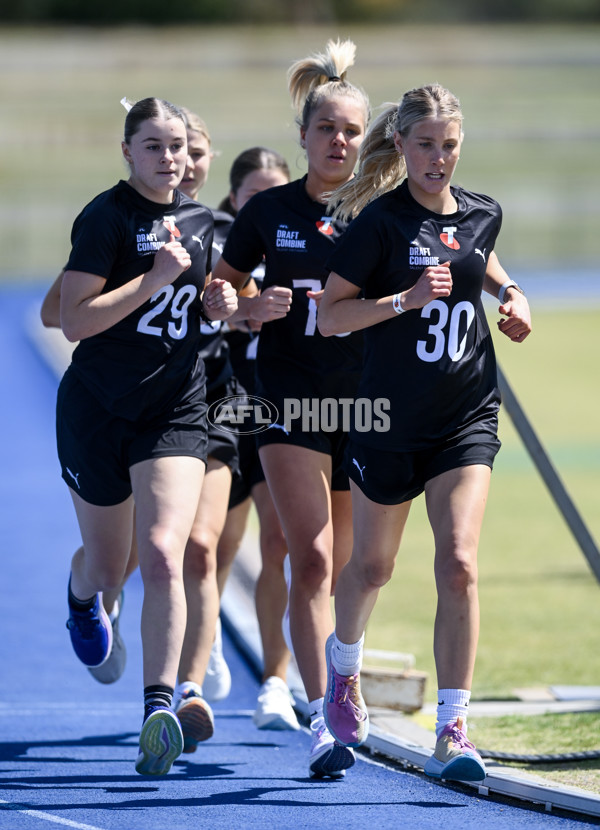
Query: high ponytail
[{"x": 322, "y": 75}]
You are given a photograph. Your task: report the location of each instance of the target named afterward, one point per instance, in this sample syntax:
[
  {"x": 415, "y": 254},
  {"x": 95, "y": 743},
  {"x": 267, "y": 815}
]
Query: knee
[
  {"x": 457, "y": 573},
  {"x": 312, "y": 571},
  {"x": 375, "y": 573},
  {"x": 161, "y": 559},
  {"x": 200, "y": 561},
  {"x": 273, "y": 547}
]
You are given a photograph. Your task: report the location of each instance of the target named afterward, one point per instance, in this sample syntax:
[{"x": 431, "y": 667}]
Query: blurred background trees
[{"x": 156, "y": 12}]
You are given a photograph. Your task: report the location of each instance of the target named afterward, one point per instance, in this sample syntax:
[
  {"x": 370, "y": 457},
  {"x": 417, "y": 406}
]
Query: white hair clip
[{"x": 126, "y": 104}]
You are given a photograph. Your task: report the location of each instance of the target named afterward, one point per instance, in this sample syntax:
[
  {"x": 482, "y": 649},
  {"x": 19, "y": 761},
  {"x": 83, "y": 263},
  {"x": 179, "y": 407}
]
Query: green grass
[{"x": 529, "y": 96}]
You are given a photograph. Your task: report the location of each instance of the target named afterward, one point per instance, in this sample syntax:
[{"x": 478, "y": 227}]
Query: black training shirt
[
  {"x": 294, "y": 235},
  {"x": 435, "y": 365},
  {"x": 149, "y": 358}
]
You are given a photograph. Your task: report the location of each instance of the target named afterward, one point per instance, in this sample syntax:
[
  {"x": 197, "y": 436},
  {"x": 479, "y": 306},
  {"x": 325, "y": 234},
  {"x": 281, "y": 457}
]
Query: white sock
[
  {"x": 315, "y": 708},
  {"x": 347, "y": 657},
  {"x": 186, "y": 686},
  {"x": 452, "y": 704}
]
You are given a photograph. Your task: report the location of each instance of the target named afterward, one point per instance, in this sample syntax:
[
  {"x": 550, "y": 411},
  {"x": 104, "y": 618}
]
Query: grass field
[{"x": 530, "y": 98}]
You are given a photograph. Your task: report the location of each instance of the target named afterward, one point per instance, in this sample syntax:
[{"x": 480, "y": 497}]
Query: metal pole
[{"x": 548, "y": 473}]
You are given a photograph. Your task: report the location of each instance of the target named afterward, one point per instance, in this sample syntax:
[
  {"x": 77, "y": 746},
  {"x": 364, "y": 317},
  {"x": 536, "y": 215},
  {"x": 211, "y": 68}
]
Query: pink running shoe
[
  {"x": 344, "y": 709},
  {"x": 455, "y": 757}
]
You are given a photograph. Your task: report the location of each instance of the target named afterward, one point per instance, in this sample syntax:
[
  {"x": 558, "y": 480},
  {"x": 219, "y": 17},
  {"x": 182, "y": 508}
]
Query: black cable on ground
[{"x": 564, "y": 758}]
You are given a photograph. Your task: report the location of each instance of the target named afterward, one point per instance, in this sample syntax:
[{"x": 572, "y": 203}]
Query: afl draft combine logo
[
  {"x": 242, "y": 414},
  {"x": 449, "y": 240}
]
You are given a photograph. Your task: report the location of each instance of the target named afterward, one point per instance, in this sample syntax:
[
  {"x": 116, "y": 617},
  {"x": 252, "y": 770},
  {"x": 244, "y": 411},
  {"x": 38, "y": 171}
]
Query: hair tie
[{"x": 335, "y": 78}]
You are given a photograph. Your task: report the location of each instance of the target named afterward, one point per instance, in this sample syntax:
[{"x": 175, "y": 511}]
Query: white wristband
[
  {"x": 504, "y": 288},
  {"x": 396, "y": 302}
]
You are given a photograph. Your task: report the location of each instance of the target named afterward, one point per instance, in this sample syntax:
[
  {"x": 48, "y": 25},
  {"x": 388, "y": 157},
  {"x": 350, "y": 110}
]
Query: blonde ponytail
[
  {"x": 380, "y": 168},
  {"x": 318, "y": 77}
]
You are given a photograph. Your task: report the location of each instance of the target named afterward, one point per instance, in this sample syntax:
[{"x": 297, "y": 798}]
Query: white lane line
[{"x": 20, "y": 808}]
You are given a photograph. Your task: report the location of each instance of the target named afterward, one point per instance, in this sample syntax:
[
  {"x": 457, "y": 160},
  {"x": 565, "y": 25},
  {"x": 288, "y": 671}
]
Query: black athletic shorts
[
  {"x": 310, "y": 414},
  {"x": 224, "y": 444},
  {"x": 250, "y": 471},
  {"x": 96, "y": 449},
  {"x": 395, "y": 477}
]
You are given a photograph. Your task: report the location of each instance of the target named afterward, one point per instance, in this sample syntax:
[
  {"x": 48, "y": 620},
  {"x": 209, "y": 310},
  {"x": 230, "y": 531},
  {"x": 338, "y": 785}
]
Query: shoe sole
[
  {"x": 114, "y": 665},
  {"x": 197, "y": 724},
  {"x": 161, "y": 742},
  {"x": 277, "y": 723},
  {"x": 461, "y": 768},
  {"x": 333, "y": 763},
  {"x": 362, "y": 734}
]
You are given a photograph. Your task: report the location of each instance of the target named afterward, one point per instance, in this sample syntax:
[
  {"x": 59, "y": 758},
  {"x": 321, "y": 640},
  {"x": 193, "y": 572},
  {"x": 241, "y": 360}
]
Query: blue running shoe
[
  {"x": 161, "y": 742},
  {"x": 91, "y": 633}
]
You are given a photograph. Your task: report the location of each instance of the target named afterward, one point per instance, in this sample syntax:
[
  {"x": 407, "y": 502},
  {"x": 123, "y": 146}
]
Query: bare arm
[
  {"x": 272, "y": 304},
  {"x": 50, "y": 310},
  {"x": 341, "y": 311},
  {"x": 85, "y": 311}
]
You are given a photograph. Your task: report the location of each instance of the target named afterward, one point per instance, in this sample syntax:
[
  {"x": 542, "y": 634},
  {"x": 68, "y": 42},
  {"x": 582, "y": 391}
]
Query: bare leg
[
  {"x": 230, "y": 540},
  {"x": 166, "y": 493},
  {"x": 343, "y": 535},
  {"x": 377, "y": 533},
  {"x": 455, "y": 504},
  {"x": 299, "y": 481},
  {"x": 106, "y": 532},
  {"x": 271, "y": 591},
  {"x": 200, "y": 572}
]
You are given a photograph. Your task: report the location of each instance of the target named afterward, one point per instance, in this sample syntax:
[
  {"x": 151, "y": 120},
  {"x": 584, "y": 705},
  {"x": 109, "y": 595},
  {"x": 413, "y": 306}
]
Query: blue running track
[{"x": 68, "y": 744}]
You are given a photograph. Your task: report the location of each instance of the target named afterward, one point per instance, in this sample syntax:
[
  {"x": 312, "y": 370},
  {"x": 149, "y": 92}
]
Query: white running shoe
[
  {"x": 274, "y": 706},
  {"x": 196, "y": 719},
  {"x": 114, "y": 665},
  {"x": 327, "y": 757},
  {"x": 285, "y": 621},
  {"x": 217, "y": 680}
]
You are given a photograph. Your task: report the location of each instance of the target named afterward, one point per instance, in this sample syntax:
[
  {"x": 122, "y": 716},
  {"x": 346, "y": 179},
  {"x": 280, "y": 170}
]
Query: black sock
[
  {"x": 80, "y": 604},
  {"x": 157, "y": 696}
]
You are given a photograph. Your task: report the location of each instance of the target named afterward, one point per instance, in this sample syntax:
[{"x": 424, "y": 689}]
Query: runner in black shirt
[
  {"x": 253, "y": 171},
  {"x": 419, "y": 253},
  {"x": 131, "y": 408},
  {"x": 197, "y": 681},
  {"x": 297, "y": 368}
]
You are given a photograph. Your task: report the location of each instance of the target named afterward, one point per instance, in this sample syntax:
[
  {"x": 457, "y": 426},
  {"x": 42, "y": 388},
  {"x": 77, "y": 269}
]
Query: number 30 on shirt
[{"x": 445, "y": 330}]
